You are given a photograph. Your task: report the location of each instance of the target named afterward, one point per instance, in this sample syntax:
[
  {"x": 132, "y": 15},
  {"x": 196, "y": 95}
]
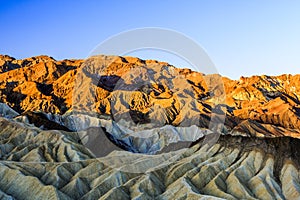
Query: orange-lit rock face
[
  {"x": 266, "y": 99},
  {"x": 38, "y": 83},
  {"x": 150, "y": 89}
]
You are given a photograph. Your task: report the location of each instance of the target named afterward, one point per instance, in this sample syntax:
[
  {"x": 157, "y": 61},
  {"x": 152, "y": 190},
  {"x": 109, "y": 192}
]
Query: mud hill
[{"x": 39, "y": 164}]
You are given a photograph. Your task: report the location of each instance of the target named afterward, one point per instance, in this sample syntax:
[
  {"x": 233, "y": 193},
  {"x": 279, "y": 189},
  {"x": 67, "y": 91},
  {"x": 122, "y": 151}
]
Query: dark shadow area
[
  {"x": 8, "y": 66},
  {"x": 139, "y": 117},
  {"x": 297, "y": 110},
  {"x": 109, "y": 82},
  {"x": 40, "y": 120},
  {"x": 13, "y": 98},
  {"x": 45, "y": 89}
]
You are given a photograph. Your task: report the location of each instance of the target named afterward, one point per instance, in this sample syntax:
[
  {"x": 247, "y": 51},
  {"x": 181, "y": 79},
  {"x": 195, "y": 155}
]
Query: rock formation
[
  {"x": 88, "y": 129},
  {"x": 234, "y": 168},
  {"x": 151, "y": 92}
]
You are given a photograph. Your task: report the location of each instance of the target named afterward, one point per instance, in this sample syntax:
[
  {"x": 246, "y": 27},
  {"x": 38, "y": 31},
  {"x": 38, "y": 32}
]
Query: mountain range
[{"x": 118, "y": 127}]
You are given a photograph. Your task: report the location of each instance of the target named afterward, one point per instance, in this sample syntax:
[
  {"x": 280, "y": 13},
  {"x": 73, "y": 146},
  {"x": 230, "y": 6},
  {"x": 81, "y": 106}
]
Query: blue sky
[{"x": 241, "y": 37}]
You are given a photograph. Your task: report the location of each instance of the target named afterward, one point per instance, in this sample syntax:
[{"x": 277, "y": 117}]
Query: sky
[{"x": 242, "y": 38}]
